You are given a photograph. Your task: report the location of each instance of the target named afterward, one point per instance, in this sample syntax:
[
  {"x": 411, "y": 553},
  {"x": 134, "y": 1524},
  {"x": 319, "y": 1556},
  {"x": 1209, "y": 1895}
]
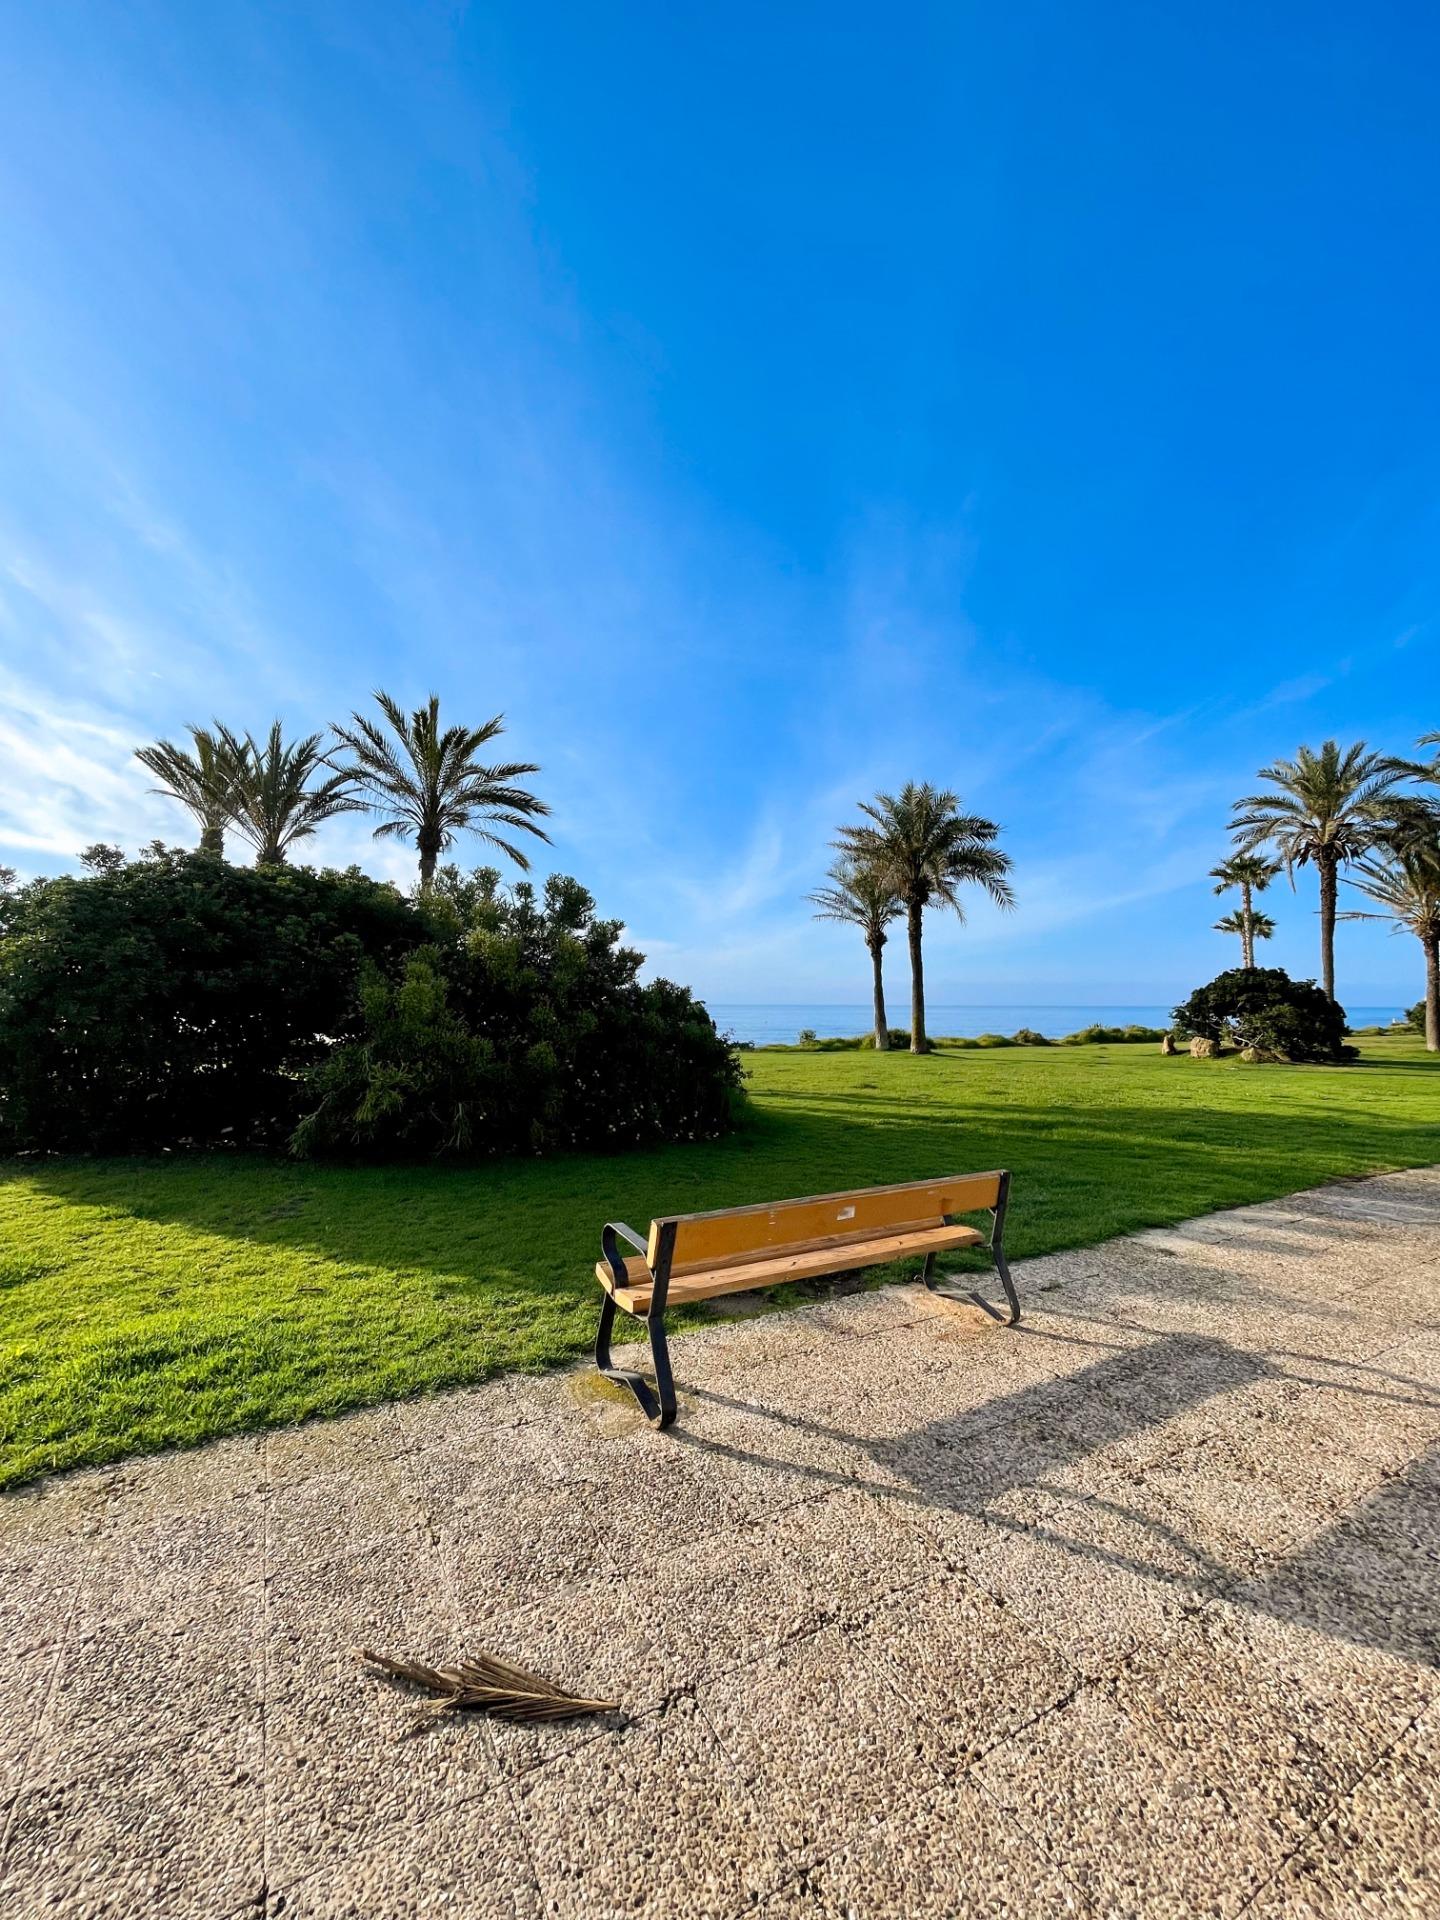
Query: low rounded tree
[
  {"x": 176, "y": 1000},
  {"x": 179, "y": 998},
  {"x": 1264, "y": 1009},
  {"x": 522, "y": 1027}
]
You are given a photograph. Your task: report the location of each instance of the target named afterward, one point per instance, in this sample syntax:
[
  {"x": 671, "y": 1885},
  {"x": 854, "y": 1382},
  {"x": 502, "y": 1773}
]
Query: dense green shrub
[
  {"x": 525, "y": 1029},
  {"x": 1098, "y": 1036},
  {"x": 1022, "y": 1037},
  {"x": 179, "y": 998},
  {"x": 1263, "y": 1007},
  {"x": 1415, "y": 1016},
  {"x": 899, "y": 1039}
]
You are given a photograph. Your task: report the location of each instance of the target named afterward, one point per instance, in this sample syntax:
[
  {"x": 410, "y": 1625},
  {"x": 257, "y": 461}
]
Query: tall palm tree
[
  {"x": 1252, "y": 874},
  {"x": 278, "y": 797},
  {"x": 1402, "y": 877},
  {"x": 1251, "y": 927},
  {"x": 203, "y": 780},
  {"x": 1327, "y": 810},
  {"x": 430, "y": 785},
  {"x": 927, "y": 850},
  {"x": 863, "y": 898}
]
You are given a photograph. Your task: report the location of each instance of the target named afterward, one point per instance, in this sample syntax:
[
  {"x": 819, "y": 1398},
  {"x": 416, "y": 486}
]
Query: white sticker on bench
[{"x": 846, "y": 1213}]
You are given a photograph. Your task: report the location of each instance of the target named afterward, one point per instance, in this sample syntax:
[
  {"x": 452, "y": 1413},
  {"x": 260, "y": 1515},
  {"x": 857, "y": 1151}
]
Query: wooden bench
[{"x": 694, "y": 1256}]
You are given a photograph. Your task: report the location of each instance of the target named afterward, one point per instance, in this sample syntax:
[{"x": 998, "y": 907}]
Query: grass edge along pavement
[{"x": 147, "y": 1304}]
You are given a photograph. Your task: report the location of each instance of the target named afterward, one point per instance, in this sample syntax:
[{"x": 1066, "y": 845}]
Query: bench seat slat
[
  {"x": 706, "y": 1240},
  {"x": 820, "y": 1243},
  {"x": 802, "y": 1264}
]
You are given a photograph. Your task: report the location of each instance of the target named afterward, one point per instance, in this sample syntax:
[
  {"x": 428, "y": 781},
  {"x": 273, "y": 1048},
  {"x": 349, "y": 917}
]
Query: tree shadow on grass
[
  {"x": 1368, "y": 1577},
  {"x": 533, "y": 1226}
]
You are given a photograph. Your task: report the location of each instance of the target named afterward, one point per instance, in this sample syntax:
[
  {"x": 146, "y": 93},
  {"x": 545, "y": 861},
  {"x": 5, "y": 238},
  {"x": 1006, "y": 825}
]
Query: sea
[{"x": 766, "y": 1026}]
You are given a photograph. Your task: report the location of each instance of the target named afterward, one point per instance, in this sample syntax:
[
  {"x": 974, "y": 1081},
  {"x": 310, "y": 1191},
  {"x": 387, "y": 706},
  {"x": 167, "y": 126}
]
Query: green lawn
[{"x": 146, "y": 1304}]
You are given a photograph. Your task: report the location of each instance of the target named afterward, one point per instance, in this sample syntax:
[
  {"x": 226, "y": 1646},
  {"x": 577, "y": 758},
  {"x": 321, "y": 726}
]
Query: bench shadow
[
  {"x": 1372, "y": 1577},
  {"x": 1369, "y": 1578}
]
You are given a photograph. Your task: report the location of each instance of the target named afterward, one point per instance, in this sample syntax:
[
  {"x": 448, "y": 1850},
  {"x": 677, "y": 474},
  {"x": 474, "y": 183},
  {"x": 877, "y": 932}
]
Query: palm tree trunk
[
  {"x": 1432, "y": 995},
  {"x": 882, "y": 1031},
  {"x": 429, "y": 854},
  {"x": 1328, "y": 889},
  {"x": 212, "y": 841},
  {"x": 1247, "y": 937},
  {"x": 918, "y": 1043}
]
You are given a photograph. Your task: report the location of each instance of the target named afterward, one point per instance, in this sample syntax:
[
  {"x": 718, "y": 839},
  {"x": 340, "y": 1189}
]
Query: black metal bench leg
[
  {"x": 664, "y": 1379},
  {"x": 997, "y": 1254},
  {"x": 661, "y": 1412},
  {"x": 949, "y": 1291},
  {"x": 602, "y": 1333}
]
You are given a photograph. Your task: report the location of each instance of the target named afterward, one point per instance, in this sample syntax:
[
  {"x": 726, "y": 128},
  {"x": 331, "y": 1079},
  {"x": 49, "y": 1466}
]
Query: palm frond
[
  {"x": 483, "y": 1684},
  {"x": 202, "y": 779},
  {"x": 860, "y": 896},
  {"x": 428, "y": 785}
]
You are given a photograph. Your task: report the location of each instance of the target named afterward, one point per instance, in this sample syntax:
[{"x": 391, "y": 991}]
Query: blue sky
[{"x": 759, "y": 405}]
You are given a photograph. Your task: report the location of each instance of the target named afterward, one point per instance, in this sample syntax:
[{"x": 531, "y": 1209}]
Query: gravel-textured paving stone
[
  {"x": 1273, "y": 1710},
  {"x": 339, "y": 1512},
  {"x": 334, "y": 1446},
  {"x": 1094, "y": 1582},
  {"x": 173, "y": 1828},
  {"x": 1131, "y": 1610},
  {"x": 174, "y": 1558},
  {"x": 472, "y": 1861},
  {"x": 967, "y": 1664},
  {"x": 655, "y": 1820},
  {"x": 185, "y": 1665},
  {"x": 350, "y": 1757},
  {"x": 1126, "y": 1818},
  {"x": 822, "y": 1737},
  {"x": 940, "y": 1857},
  {"x": 1375, "y": 1856}
]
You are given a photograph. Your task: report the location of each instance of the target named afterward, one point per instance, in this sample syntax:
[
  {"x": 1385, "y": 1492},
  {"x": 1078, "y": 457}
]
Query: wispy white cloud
[{"x": 71, "y": 778}]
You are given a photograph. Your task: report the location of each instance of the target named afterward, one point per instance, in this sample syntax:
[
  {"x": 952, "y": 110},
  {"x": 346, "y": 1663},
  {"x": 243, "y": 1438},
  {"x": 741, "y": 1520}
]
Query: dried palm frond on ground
[{"x": 487, "y": 1685}]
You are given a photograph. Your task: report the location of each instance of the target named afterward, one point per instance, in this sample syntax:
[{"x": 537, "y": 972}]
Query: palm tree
[
  {"x": 204, "y": 781},
  {"x": 1251, "y": 873},
  {"x": 863, "y": 898},
  {"x": 432, "y": 787},
  {"x": 926, "y": 851},
  {"x": 1328, "y": 809},
  {"x": 1250, "y": 927},
  {"x": 1402, "y": 876},
  {"x": 275, "y": 802}
]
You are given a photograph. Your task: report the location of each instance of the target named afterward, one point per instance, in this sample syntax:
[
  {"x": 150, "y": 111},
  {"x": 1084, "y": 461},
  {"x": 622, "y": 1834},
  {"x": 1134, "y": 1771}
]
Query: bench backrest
[{"x": 827, "y": 1219}]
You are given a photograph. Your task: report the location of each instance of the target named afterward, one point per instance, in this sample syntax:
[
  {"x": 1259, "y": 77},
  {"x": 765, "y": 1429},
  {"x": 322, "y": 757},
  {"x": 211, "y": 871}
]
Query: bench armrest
[{"x": 608, "y": 1235}]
